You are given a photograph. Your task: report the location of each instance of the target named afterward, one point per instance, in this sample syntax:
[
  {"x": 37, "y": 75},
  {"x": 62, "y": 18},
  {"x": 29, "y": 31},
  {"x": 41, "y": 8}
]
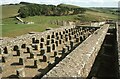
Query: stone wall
[
  {"x": 118, "y": 41},
  {"x": 79, "y": 62}
]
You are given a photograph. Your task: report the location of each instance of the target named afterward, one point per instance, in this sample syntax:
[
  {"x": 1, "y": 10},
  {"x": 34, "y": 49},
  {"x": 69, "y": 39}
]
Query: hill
[
  {"x": 10, "y": 10},
  {"x": 68, "y": 5},
  {"x": 11, "y": 29}
]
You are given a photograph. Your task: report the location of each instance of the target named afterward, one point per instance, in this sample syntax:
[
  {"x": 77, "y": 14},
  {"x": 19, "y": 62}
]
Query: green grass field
[{"x": 10, "y": 29}]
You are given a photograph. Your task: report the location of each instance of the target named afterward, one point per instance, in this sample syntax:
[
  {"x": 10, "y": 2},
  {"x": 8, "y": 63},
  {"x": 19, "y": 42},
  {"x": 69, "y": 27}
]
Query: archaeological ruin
[{"x": 86, "y": 52}]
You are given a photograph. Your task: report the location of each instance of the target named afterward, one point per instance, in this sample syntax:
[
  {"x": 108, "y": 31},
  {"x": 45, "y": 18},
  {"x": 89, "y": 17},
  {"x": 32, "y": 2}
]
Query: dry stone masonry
[
  {"x": 79, "y": 62},
  {"x": 32, "y": 54}
]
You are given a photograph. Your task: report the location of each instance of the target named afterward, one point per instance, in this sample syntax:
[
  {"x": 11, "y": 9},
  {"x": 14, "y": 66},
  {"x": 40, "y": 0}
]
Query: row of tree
[{"x": 48, "y": 10}]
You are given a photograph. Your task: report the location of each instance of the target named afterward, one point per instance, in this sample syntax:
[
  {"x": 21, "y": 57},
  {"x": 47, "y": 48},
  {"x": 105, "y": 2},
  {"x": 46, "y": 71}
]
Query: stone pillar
[
  {"x": 60, "y": 41},
  {"x": 48, "y": 42},
  {"x": 36, "y": 46},
  {"x": 35, "y": 64},
  {"x": 31, "y": 55},
  {"x": 60, "y": 33},
  {"x": 77, "y": 39},
  {"x": 20, "y": 72},
  {"x": 23, "y": 46},
  {"x": 66, "y": 38},
  {"x": 44, "y": 58},
  {"x": 48, "y": 37},
  {"x": 56, "y": 42},
  {"x": 56, "y": 34},
  {"x": 81, "y": 38},
  {"x": 49, "y": 48},
  {"x": 70, "y": 37},
  {"x": 41, "y": 45},
  {"x": 21, "y": 61},
  {"x": 55, "y": 53},
  {"x": 57, "y": 38},
  {"x": 18, "y": 52},
  {"x": 34, "y": 40},
  {"x": 53, "y": 36},
  {"x": 61, "y": 36},
  {"x": 29, "y": 49},
  {"x": 42, "y": 51},
  {"x": 63, "y": 50},
  {"x": 71, "y": 44},
  {"x": 42, "y": 39},
  {"x": 53, "y": 47},
  {"x": 52, "y": 41},
  {"x": 68, "y": 47},
  {"x": 5, "y": 50},
  {"x": 16, "y": 48},
  {"x": 3, "y": 59},
  {"x": 57, "y": 59}
]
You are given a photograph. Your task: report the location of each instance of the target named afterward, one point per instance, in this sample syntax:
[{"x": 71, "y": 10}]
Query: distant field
[
  {"x": 10, "y": 10},
  {"x": 70, "y": 6},
  {"x": 10, "y": 29}
]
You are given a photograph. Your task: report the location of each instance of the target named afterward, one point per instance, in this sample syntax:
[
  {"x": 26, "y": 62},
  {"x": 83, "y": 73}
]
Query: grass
[
  {"x": 69, "y": 6},
  {"x": 10, "y": 10},
  {"x": 10, "y": 29}
]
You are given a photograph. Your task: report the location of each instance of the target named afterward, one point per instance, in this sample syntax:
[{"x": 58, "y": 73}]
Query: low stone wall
[{"x": 79, "y": 62}]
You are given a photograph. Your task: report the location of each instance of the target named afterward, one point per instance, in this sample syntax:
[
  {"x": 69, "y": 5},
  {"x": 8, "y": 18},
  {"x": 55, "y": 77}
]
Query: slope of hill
[
  {"x": 10, "y": 29},
  {"x": 10, "y": 10},
  {"x": 68, "y": 5}
]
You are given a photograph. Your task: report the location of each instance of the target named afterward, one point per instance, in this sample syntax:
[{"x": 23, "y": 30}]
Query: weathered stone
[
  {"x": 60, "y": 41},
  {"x": 16, "y": 48},
  {"x": 55, "y": 53},
  {"x": 23, "y": 46},
  {"x": 33, "y": 40},
  {"x": 20, "y": 72},
  {"x": 44, "y": 58},
  {"x": 31, "y": 55},
  {"x": 1, "y": 69},
  {"x": 41, "y": 45},
  {"x": 52, "y": 41},
  {"x": 42, "y": 51},
  {"x": 53, "y": 47},
  {"x": 49, "y": 48},
  {"x": 36, "y": 47},
  {"x": 5, "y": 50},
  {"x": 48, "y": 37},
  {"x": 21, "y": 61},
  {"x": 42, "y": 39},
  {"x": 35, "y": 64},
  {"x": 71, "y": 44},
  {"x": 48, "y": 42},
  {"x": 3, "y": 59},
  {"x": 18, "y": 52}
]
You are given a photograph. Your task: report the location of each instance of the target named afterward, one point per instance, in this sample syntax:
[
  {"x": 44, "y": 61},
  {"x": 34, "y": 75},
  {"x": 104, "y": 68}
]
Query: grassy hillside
[
  {"x": 10, "y": 10},
  {"x": 68, "y": 5},
  {"x": 10, "y": 29}
]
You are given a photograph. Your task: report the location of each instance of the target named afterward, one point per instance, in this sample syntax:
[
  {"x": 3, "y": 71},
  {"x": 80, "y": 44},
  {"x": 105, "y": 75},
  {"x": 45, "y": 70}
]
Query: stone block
[{"x": 20, "y": 72}]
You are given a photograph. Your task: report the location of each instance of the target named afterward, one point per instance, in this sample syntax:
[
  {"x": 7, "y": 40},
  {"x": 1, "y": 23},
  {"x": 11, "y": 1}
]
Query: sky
[{"x": 82, "y": 3}]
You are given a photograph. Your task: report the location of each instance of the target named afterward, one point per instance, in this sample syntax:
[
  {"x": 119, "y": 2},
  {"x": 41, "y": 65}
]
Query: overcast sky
[{"x": 82, "y": 3}]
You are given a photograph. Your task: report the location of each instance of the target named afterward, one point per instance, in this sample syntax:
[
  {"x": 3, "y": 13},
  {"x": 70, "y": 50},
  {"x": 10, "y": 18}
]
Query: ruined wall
[{"x": 79, "y": 62}]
